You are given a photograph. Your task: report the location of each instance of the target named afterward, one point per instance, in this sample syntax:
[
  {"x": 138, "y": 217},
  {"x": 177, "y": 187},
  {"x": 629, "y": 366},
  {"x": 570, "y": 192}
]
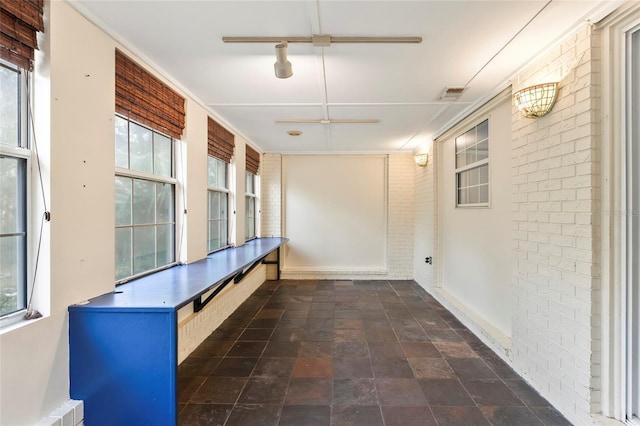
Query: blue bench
[{"x": 123, "y": 347}]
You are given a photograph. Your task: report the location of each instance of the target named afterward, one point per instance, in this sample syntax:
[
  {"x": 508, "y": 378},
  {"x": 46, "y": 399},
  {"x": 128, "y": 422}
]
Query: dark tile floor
[{"x": 306, "y": 353}]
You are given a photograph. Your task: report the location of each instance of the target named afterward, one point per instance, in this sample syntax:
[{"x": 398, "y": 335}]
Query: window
[
  {"x": 472, "y": 166},
  {"x": 14, "y": 165},
  {"x": 250, "y": 207},
  {"x": 218, "y": 229},
  {"x": 145, "y": 200}
]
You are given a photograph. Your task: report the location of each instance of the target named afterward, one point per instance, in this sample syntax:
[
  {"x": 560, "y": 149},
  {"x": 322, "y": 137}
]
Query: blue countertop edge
[{"x": 175, "y": 287}]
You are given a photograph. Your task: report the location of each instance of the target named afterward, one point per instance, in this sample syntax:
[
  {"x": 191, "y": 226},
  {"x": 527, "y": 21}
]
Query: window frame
[
  {"x": 253, "y": 196},
  {"x": 146, "y": 176},
  {"x": 219, "y": 189},
  {"x": 474, "y": 165},
  {"x": 22, "y": 152}
]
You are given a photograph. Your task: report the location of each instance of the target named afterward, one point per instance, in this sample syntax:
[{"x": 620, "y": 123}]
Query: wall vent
[{"x": 452, "y": 93}]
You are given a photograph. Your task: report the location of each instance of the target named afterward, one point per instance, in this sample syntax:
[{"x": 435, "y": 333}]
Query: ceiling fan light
[{"x": 282, "y": 66}]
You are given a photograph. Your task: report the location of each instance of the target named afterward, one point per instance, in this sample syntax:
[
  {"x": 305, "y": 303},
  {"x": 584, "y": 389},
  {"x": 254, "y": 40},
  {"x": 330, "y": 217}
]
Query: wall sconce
[
  {"x": 536, "y": 101},
  {"x": 421, "y": 159}
]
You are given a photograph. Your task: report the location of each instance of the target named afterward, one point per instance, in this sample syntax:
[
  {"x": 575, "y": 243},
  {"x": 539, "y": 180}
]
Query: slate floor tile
[
  {"x": 342, "y": 352},
  {"x": 356, "y": 415},
  {"x": 254, "y": 414},
  {"x": 309, "y": 391},
  {"x": 354, "y": 392},
  {"x": 204, "y": 414},
  {"x": 408, "y": 416},
  {"x": 459, "y": 416},
  {"x": 307, "y": 415}
]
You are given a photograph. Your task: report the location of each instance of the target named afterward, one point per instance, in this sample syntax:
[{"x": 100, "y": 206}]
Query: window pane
[
  {"x": 250, "y": 224},
  {"x": 12, "y": 195},
  {"x": 143, "y": 201},
  {"x": 123, "y": 201},
  {"x": 471, "y": 155},
  {"x": 224, "y": 200},
  {"x": 212, "y": 171},
  {"x": 123, "y": 253},
  {"x": 473, "y": 195},
  {"x": 250, "y": 183},
  {"x": 224, "y": 237},
  {"x": 122, "y": 143},
  {"x": 483, "y": 150},
  {"x": 461, "y": 159},
  {"x": 12, "y": 277},
  {"x": 141, "y": 148},
  {"x": 483, "y": 196},
  {"x": 463, "y": 179},
  {"x": 164, "y": 245},
  {"x": 144, "y": 249},
  {"x": 462, "y": 196},
  {"x": 214, "y": 235},
  {"x": 162, "y": 155},
  {"x": 222, "y": 174},
  {"x": 9, "y": 107},
  {"x": 164, "y": 202},
  {"x": 483, "y": 174},
  {"x": 483, "y": 130},
  {"x": 214, "y": 205}
]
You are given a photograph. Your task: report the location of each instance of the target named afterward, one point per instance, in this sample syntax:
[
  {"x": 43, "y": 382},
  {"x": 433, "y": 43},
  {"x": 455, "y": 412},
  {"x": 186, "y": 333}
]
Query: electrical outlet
[{"x": 428, "y": 260}]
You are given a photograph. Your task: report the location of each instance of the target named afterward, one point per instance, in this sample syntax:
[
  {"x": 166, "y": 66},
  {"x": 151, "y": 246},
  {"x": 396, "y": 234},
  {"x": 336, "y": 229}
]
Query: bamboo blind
[
  {"x": 253, "y": 160},
  {"x": 142, "y": 97},
  {"x": 221, "y": 141},
  {"x": 20, "y": 20}
]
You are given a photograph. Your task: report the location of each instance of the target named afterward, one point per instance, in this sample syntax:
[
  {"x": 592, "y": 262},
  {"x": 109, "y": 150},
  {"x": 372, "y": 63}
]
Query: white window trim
[
  {"x": 23, "y": 152},
  {"x": 615, "y": 86},
  {"x": 256, "y": 208},
  {"x": 474, "y": 165},
  {"x": 177, "y": 203},
  {"x": 229, "y": 208}
]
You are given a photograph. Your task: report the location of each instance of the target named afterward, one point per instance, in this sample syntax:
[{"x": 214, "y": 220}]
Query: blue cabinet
[{"x": 123, "y": 345}]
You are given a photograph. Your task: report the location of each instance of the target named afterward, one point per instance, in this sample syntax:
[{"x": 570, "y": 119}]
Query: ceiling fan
[{"x": 330, "y": 121}]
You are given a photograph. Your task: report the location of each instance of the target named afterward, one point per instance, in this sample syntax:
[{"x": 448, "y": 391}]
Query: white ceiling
[{"x": 477, "y": 44}]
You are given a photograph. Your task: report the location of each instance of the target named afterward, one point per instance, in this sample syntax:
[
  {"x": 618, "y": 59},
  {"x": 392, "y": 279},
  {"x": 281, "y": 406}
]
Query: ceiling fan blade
[
  {"x": 354, "y": 120},
  {"x": 332, "y": 121}
]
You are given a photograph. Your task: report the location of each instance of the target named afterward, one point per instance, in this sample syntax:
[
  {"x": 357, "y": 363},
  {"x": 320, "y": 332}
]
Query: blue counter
[{"x": 123, "y": 346}]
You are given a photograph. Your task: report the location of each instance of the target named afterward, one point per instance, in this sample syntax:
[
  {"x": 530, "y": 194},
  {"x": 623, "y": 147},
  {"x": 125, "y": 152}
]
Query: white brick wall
[
  {"x": 198, "y": 326},
  {"x": 400, "y": 232},
  {"x": 555, "y": 343},
  {"x": 425, "y": 221},
  {"x": 271, "y": 195}
]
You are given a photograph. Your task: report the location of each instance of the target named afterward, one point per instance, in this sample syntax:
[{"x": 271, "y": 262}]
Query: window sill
[{"x": 8, "y": 325}]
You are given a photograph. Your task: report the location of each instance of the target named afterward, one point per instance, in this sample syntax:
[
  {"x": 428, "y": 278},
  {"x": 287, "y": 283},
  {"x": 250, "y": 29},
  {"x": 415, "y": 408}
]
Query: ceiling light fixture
[
  {"x": 536, "y": 101},
  {"x": 282, "y": 66}
]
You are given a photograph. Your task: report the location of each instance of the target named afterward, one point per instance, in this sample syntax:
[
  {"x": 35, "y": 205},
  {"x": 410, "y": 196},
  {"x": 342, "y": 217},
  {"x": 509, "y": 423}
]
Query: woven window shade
[
  {"x": 221, "y": 141},
  {"x": 142, "y": 97},
  {"x": 20, "y": 20},
  {"x": 253, "y": 160}
]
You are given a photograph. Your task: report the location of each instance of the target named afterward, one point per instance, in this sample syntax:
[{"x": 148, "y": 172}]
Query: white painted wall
[
  {"x": 195, "y": 184},
  {"x": 34, "y": 370},
  {"x": 475, "y": 255},
  {"x": 335, "y": 213},
  {"x": 75, "y": 107}
]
